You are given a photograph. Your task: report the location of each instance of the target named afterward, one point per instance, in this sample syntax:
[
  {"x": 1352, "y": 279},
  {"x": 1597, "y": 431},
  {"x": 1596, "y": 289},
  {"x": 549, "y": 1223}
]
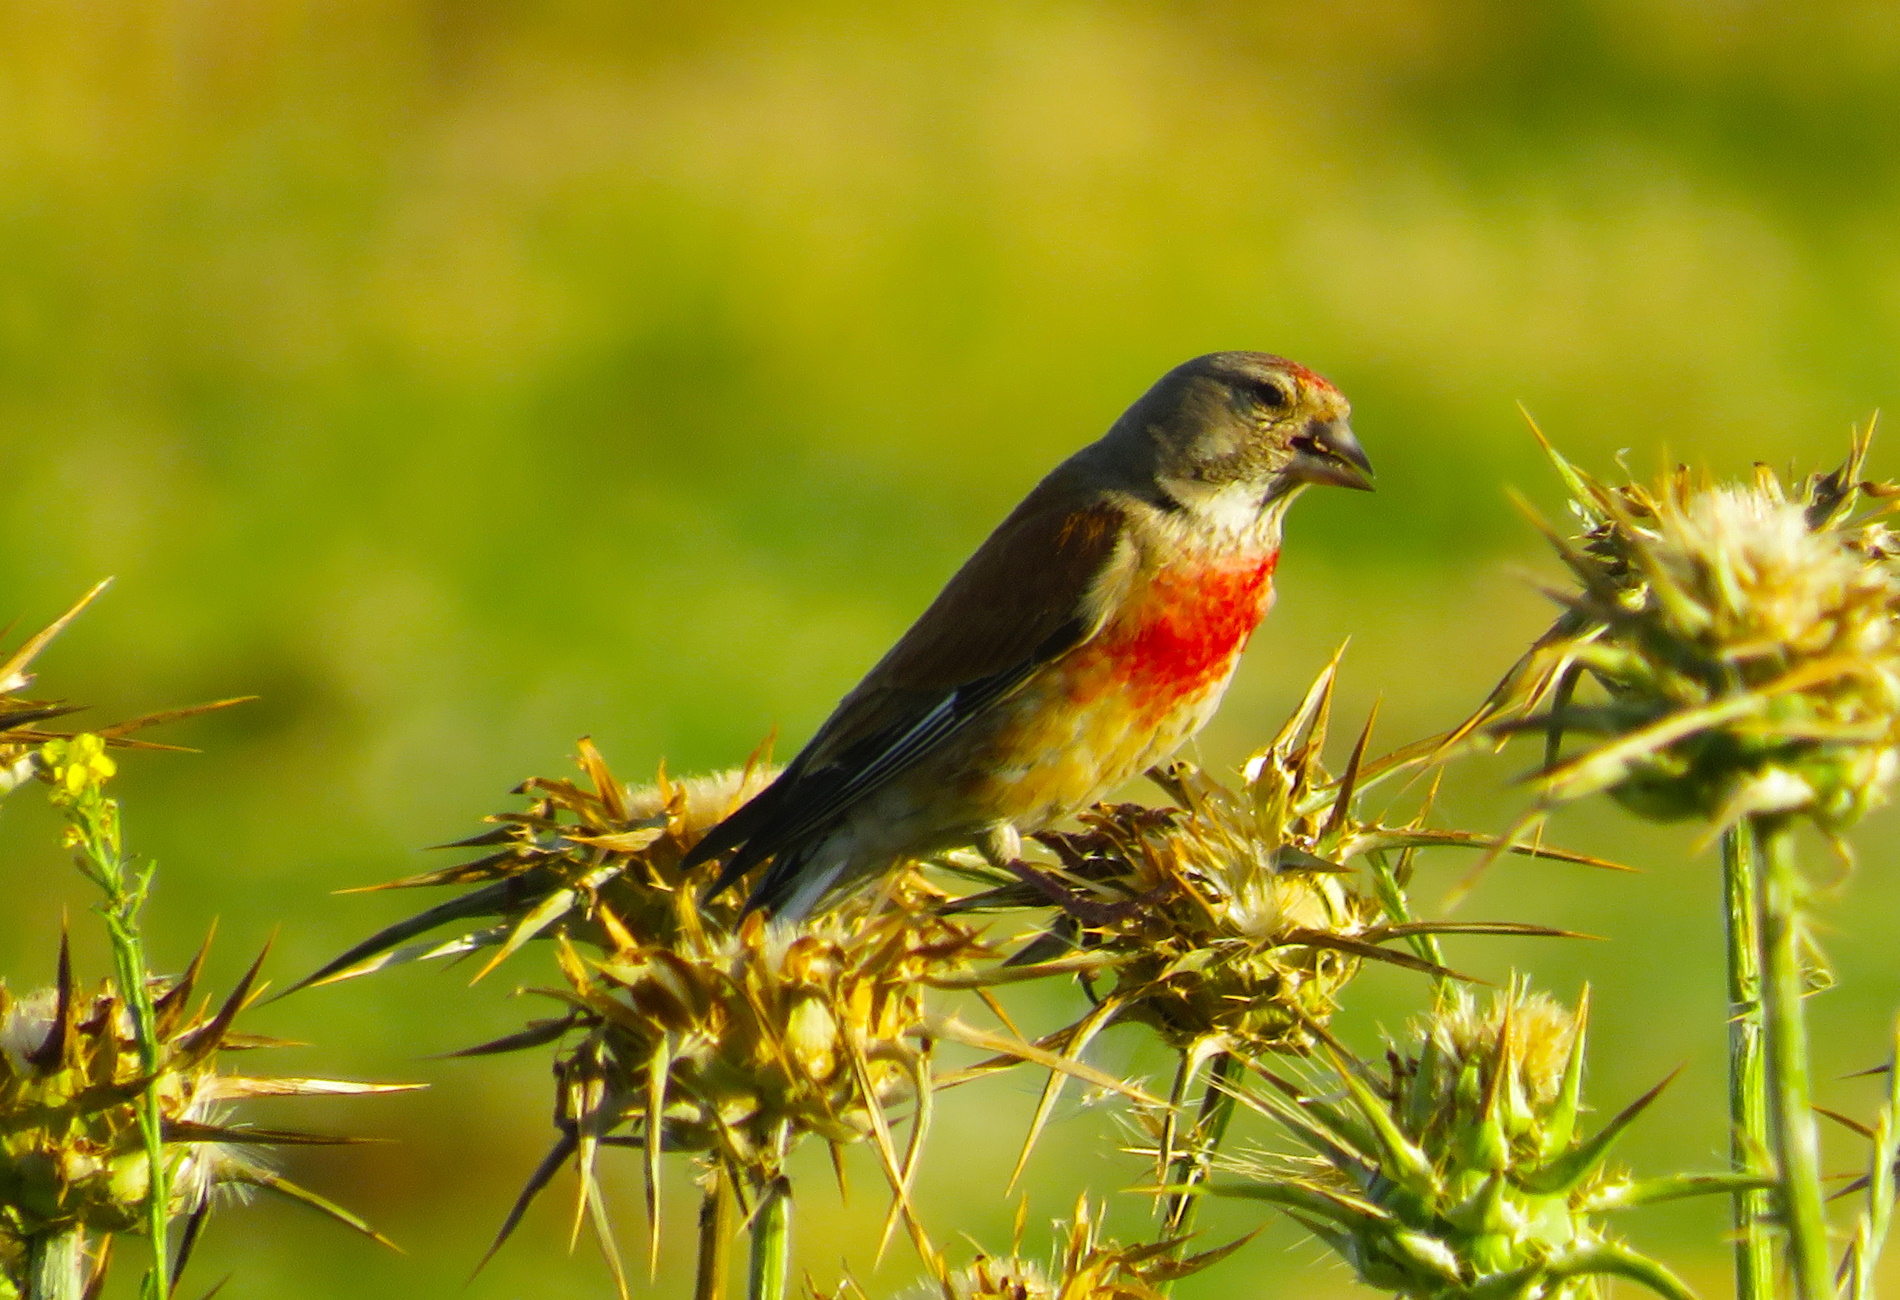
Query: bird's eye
[{"x": 1273, "y": 395}]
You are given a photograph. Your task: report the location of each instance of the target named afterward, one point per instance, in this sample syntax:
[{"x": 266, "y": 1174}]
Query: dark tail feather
[
  {"x": 781, "y": 881},
  {"x": 740, "y": 863},
  {"x": 728, "y": 834}
]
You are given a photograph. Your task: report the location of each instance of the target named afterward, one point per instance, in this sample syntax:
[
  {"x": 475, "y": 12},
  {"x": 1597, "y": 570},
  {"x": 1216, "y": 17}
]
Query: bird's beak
[{"x": 1328, "y": 454}]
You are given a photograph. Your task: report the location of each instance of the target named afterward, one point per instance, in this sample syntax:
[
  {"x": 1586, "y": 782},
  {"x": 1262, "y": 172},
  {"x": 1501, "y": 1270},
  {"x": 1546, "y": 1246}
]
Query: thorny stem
[
  {"x": 1790, "y": 1105},
  {"x": 1389, "y": 883},
  {"x": 56, "y": 1265},
  {"x": 1210, "y": 1126},
  {"x": 1747, "y": 1083},
  {"x": 80, "y": 770},
  {"x": 771, "y": 1262},
  {"x": 715, "y": 1227}
]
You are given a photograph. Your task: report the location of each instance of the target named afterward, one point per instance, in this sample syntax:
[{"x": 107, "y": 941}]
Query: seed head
[
  {"x": 597, "y": 864},
  {"x": 691, "y": 1028},
  {"x": 1216, "y": 931}
]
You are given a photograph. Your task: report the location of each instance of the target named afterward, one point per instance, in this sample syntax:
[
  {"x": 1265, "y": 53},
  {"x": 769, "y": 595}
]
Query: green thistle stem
[
  {"x": 715, "y": 1227},
  {"x": 771, "y": 1263},
  {"x": 128, "y": 959},
  {"x": 1192, "y": 1166},
  {"x": 1747, "y": 1080},
  {"x": 1790, "y": 1103},
  {"x": 80, "y": 769},
  {"x": 1388, "y": 883},
  {"x": 56, "y": 1265}
]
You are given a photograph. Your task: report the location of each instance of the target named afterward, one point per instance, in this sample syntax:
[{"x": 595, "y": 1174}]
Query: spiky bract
[
  {"x": 1745, "y": 640},
  {"x": 1456, "y": 1171}
]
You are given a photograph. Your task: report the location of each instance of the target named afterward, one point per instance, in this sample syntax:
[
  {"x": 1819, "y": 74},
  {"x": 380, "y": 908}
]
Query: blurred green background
[{"x": 463, "y": 377}]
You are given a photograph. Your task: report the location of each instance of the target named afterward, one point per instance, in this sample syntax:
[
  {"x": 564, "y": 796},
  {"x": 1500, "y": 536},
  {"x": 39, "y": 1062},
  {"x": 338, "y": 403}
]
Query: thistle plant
[
  {"x": 114, "y": 1116},
  {"x": 1227, "y": 923},
  {"x": 1458, "y": 1170},
  {"x": 82, "y": 1077},
  {"x": 736, "y": 1044},
  {"x": 1230, "y": 923},
  {"x": 1743, "y": 645},
  {"x": 687, "y": 1026},
  {"x": 113, "y": 1112}
]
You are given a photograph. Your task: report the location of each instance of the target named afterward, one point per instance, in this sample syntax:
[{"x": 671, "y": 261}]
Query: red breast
[{"x": 1180, "y": 634}]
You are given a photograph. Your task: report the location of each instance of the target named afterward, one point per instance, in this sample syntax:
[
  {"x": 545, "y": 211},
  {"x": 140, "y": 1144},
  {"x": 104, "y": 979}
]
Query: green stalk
[
  {"x": 1790, "y": 1100},
  {"x": 771, "y": 1263},
  {"x": 715, "y": 1227},
  {"x": 1193, "y": 1165},
  {"x": 128, "y": 959},
  {"x": 56, "y": 1265},
  {"x": 1747, "y": 1079},
  {"x": 80, "y": 768},
  {"x": 1389, "y": 883}
]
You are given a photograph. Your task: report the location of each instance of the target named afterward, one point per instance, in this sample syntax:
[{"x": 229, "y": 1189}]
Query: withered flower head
[
  {"x": 689, "y": 1027},
  {"x": 1744, "y": 641},
  {"x": 737, "y": 1039},
  {"x": 71, "y": 1152},
  {"x": 1457, "y": 1171},
  {"x": 736, "y": 1042}
]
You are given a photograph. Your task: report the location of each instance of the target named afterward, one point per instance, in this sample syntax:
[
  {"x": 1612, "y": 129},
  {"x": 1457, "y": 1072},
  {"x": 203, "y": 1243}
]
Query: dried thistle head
[
  {"x": 690, "y": 1027},
  {"x": 1213, "y": 934},
  {"x": 764, "y": 1032},
  {"x": 1457, "y": 1171},
  {"x": 71, "y": 1152},
  {"x": 736, "y": 1042},
  {"x": 1236, "y": 917},
  {"x": 1743, "y": 637}
]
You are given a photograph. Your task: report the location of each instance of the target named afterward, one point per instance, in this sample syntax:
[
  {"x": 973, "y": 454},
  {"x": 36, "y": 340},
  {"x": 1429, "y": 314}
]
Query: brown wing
[
  {"x": 1029, "y": 593},
  {"x": 1037, "y": 588}
]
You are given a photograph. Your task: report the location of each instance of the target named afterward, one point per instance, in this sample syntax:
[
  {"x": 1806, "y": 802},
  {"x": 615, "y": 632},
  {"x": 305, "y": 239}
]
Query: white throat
[{"x": 1234, "y": 511}]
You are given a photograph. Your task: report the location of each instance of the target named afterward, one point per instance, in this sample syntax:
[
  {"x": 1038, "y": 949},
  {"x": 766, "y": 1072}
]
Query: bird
[{"x": 1085, "y": 640}]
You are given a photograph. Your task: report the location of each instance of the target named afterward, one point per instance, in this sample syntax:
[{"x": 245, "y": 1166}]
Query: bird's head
[{"x": 1238, "y": 426}]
